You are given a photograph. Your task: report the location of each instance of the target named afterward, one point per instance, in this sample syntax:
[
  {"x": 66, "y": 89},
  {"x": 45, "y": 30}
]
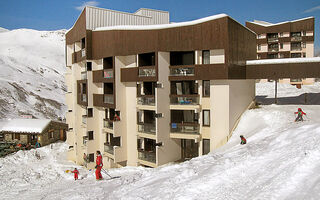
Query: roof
[
  {"x": 283, "y": 61},
  {"x": 267, "y": 24},
  {"x": 161, "y": 26},
  {"x": 25, "y": 125}
]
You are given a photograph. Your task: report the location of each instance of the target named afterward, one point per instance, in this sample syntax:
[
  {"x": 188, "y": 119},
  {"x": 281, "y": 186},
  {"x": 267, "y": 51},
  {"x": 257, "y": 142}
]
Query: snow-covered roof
[
  {"x": 25, "y": 125},
  {"x": 161, "y": 26},
  {"x": 266, "y": 24},
  {"x": 283, "y": 61}
]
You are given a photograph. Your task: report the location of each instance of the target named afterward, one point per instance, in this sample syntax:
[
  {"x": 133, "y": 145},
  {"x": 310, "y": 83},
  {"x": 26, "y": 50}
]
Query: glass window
[
  {"x": 206, "y": 88},
  {"x": 90, "y": 112},
  {"x": 259, "y": 47},
  {"x": 206, "y": 146},
  {"x": 206, "y": 117},
  {"x": 90, "y": 134},
  {"x": 281, "y": 45},
  {"x": 205, "y": 57},
  {"x": 91, "y": 157}
]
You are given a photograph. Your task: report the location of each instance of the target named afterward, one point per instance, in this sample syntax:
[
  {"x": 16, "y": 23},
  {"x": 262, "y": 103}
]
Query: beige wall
[
  {"x": 217, "y": 56},
  {"x": 309, "y": 49},
  {"x": 170, "y": 151}
]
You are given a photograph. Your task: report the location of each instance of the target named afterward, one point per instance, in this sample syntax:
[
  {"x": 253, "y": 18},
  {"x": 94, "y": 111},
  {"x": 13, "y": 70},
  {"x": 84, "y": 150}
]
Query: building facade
[
  {"x": 153, "y": 94},
  {"x": 291, "y": 39}
]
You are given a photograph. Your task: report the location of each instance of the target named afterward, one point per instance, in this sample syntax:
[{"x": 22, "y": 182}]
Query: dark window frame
[
  {"x": 91, "y": 157},
  {"x": 203, "y": 146},
  {"x": 90, "y": 135},
  {"x": 90, "y": 113},
  {"x": 203, "y": 124},
  {"x": 203, "y": 52}
]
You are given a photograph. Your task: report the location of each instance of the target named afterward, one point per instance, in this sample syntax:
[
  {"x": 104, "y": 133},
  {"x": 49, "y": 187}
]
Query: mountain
[
  {"x": 32, "y": 71},
  {"x": 3, "y": 30}
]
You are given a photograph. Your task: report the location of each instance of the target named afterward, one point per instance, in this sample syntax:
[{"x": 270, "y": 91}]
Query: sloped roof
[{"x": 25, "y": 125}]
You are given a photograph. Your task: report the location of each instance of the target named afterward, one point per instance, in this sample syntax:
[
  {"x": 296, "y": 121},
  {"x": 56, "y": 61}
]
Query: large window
[
  {"x": 205, "y": 57},
  {"x": 206, "y": 146},
  {"x": 206, "y": 117},
  {"x": 90, "y": 134},
  {"x": 90, "y": 112},
  {"x": 206, "y": 89}
]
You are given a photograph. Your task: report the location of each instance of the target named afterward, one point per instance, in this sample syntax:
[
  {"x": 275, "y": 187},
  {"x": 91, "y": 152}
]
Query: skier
[
  {"x": 99, "y": 165},
  {"x": 76, "y": 172},
  {"x": 243, "y": 140},
  {"x": 37, "y": 145},
  {"x": 300, "y": 114}
]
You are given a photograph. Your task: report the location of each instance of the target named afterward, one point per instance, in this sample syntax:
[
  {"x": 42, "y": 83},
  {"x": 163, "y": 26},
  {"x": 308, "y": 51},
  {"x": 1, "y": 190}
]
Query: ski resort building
[
  {"x": 290, "y": 39},
  {"x": 146, "y": 92}
]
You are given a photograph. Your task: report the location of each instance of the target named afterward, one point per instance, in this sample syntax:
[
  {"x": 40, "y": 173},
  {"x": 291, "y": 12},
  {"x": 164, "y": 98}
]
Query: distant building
[
  {"x": 290, "y": 39},
  {"x": 25, "y": 131}
]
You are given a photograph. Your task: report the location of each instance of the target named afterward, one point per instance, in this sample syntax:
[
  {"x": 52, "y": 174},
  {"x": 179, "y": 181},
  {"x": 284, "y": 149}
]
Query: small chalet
[{"x": 25, "y": 131}]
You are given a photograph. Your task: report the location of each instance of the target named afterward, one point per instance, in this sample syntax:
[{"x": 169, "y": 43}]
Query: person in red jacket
[
  {"x": 99, "y": 166},
  {"x": 243, "y": 140},
  {"x": 300, "y": 114},
  {"x": 76, "y": 172}
]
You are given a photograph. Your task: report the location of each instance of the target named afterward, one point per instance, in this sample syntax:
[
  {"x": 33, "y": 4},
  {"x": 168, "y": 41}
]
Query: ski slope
[{"x": 280, "y": 161}]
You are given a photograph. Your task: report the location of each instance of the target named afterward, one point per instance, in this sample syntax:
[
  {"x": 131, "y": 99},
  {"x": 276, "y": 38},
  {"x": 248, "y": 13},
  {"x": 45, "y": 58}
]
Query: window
[
  {"x": 91, "y": 157},
  {"x": 281, "y": 34},
  {"x": 258, "y": 56},
  {"x": 17, "y": 136},
  {"x": 259, "y": 36},
  {"x": 206, "y": 88},
  {"x": 90, "y": 112},
  {"x": 206, "y": 117},
  {"x": 304, "y": 33},
  {"x": 89, "y": 66},
  {"x": 50, "y": 134},
  {"x": 296, "y": 55},
  {"x": 259, "y": 47},
  {"x": 83, "y": 43},
  {"x": 304, "y": 55},
  {"x": 281, "y": 45},
  {"x": 205, "y": 57},
  {"x": 303, "y": 44},
  {"x": 90, "y": 134},
  {"x": 206, "y": 146}
]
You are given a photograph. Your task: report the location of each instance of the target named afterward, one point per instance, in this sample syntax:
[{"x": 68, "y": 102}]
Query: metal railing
[
  {"x": 108, "y": 73},
  {"x": 273, "y": 49},
  {"x": 84, "y": 119},
  {"x": 84, "y": 97},
  {"x": 147, "y": 128},
  {"x": 108, "y": 124},
  {"x": 182, "y": 71},
  {"x": 108, "y": 98},
  {"x": 108, "y": 148},
  {"x": 296, "y": 48},
  {"x": 184, "y": 100},
  {"x": 296, "y": 80},
  {"x": 187, "y": 128},
  {"x": 83, "y": 75},
  {"x": 83, "y": 52},
  {"x": 273, "y": 39},
  {"x": 147, "y": 156},
  {"x": 296, "y": 38},
  {"x": 147, "y": 71},
  {"x": 146, "y": 100}
]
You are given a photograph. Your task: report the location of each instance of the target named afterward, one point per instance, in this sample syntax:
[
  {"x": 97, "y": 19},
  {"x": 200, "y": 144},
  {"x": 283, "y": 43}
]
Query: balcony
[
  {"x": 147, "y": 128},
  {"x": 83, "y": 97},
  {"x": 83, "y": 75},
  {"x": 296, "y": 48},
  {"x": 273, "y": 39},
  {"x": 108, "y": 98},
  {"x": 108, "y": 73},
  {"x": 147, "y": 71},
  {"x": 296, "y": 38},
  {"x": 147, "y": 156},
  {"x": 109, "y": 148},
  {"x": 84, "y": 119},
  {"x": 273, "y": 49},
  {"x": 107, "y": 123},
  {"x": 185, "y": 128},
  {"x": 191, "y": 99},
  {"x": 182, "y": 70},
  {"x": 148, "y": 100}
]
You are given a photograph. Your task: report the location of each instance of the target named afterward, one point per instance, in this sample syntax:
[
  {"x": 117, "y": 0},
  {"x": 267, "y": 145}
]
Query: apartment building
[
  {"x": 290, "y": 39},
  {"x": 146, "y": 95}
]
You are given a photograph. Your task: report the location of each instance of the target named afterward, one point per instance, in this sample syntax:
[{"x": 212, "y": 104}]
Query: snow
[
  {"x": 3, "y": 30},
  {"x": 266, "y": 24},
  {"x": 32, "y": 73},
  {"x": 161, "y": 26},
  {"x": 280, "y": 161},
  {"x": 282, "y": 61},
  {"x": 26, "y": 125}
]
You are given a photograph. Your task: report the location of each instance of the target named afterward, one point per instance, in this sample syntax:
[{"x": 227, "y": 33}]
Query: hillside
[
  {"x": 280, "y": 161},
  {"x": 32, "y": 73}
]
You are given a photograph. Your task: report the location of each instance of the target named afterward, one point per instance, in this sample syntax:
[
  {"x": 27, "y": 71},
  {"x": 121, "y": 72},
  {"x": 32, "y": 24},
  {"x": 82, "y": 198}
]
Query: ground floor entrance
[{"x": 189, "y": 149}]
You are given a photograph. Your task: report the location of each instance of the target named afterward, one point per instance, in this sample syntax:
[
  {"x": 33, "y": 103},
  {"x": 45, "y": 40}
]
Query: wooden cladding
[
  {"x": 100, "y": 101},
  {"x": 288, "y": 70},
  {"x": 79, "y": 56},
  {"x": 103, "y": 76},
  {"x": 78, "y": 31},
  {"x": 133, "y": 74}
]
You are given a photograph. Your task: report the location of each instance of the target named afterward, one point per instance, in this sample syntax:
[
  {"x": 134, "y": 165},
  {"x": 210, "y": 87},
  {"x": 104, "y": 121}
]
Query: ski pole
[{"x": 106, "y": 172}]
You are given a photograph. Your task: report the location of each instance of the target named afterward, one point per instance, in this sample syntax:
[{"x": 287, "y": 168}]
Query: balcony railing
[
  {"x": 108, "y": 148},
  {"x": 296, "y": 80},
  {"x": 84, "y": 119},
  {"x": 108, "y": 124},
  {"x": 184, "y": 99},
  {"x": 147, "y": 128},
  {"x": 148, "y": 71},
  {"x": 83, "y": 75},
  {"x": 296, "y": 48},
  {"x": 273, "y": 39},
  {"x": 83, "y": 97},
  {"x": 273, "y": 49},
  {"x": 108, "y": 73},
  {"x": 296, "y": 38},
  {"x": 108, "y": 98},
  {"x": 188, "y": 128},
  {"x": 146, "y": 100},
  {"x": 182, "y": 71},
  {"x": 83, "y": 52},
  {"x": 147, "y": 156}
]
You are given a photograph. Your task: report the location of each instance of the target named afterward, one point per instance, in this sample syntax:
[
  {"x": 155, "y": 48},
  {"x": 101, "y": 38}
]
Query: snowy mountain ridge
[{"x": 32, "y": 73}]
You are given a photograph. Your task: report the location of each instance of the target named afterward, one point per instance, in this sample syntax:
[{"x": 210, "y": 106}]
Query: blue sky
[{"x": 61, "y": 14}]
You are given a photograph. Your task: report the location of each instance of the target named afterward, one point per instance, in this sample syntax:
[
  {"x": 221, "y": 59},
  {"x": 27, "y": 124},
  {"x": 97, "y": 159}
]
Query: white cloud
[
  {"x": 88, "y": 3},
  {"x": 312, "y": 9}
]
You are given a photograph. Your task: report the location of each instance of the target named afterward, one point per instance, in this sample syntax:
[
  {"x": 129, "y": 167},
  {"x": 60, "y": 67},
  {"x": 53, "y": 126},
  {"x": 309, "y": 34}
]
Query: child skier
[
  {"x": 76, "y": 172},
  {"x": 243, "y": 140},
  {"x": 300, "y": 114}
]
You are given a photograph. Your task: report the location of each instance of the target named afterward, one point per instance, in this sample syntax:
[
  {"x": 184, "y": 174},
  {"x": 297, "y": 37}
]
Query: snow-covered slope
[
  {"x": 32, "y": 73},
  {"x": 280, "y": 161}
]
